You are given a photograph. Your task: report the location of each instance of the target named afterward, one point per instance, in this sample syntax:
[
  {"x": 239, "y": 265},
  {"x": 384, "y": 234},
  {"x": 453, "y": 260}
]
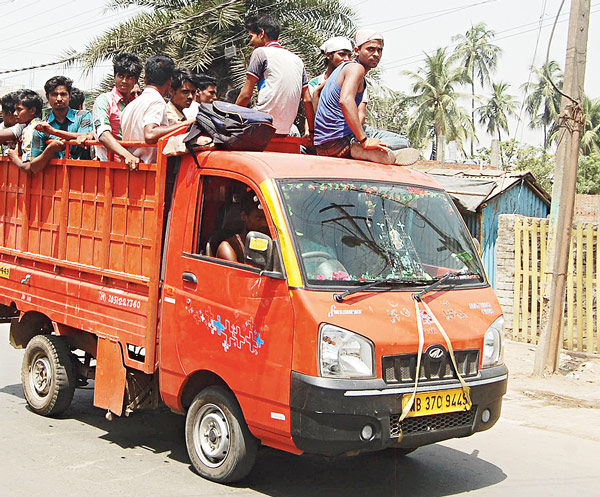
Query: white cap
[
  {"x": 336, "y": 43},
  {"x": 364, "y": 35}
]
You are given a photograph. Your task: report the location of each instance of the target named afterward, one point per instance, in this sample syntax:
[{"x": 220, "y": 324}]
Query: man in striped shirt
[{"x": 109, "y": 106}]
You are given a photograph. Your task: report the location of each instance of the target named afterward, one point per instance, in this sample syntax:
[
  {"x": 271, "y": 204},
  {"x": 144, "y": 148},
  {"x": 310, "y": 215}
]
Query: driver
[{"x": 253, "y": 217}]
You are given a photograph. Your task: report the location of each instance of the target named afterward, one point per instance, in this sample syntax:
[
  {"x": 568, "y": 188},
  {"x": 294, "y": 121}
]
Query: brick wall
[{"x": 505, "y": 266}]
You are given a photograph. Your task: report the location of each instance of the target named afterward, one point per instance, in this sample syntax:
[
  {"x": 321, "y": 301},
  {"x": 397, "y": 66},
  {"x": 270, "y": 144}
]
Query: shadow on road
[{"x": 430, "y": 471}]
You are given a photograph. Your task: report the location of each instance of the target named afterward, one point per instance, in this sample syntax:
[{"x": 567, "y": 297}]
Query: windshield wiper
[
  {"x": 339, "y": 297},
  {"x": 448, "y": 276}
]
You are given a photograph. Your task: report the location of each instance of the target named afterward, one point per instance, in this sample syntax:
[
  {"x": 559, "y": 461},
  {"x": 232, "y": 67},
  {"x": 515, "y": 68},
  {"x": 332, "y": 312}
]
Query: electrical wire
[{"x": 519, "y": 120}]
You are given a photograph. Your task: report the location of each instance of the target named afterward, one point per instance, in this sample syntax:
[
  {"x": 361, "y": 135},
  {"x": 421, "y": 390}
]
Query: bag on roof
[{"x": 232, "y": 127}]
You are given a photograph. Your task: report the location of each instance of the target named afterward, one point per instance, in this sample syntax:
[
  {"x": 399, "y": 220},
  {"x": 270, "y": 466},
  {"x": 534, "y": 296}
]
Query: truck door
[{"x": 221, "y": 315}]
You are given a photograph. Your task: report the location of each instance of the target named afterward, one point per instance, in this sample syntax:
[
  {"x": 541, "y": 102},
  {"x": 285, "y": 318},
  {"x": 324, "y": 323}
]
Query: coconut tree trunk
[
  {"x": 472, "y": 111},
  {"x": 440, "y": 155},
  {"x": 500, "y": 149}
]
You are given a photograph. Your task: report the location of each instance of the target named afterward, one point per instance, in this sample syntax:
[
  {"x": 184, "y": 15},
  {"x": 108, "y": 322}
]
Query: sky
[{"x": 410, "y": 28}]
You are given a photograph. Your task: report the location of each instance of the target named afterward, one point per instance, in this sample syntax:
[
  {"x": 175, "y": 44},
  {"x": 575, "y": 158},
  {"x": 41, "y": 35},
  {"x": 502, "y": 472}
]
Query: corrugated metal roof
[{"x": 472, "y": 187}]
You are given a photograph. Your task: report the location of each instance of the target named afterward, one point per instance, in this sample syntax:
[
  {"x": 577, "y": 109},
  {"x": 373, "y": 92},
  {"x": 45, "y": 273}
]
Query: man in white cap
[{"x": 338, "y": 124}]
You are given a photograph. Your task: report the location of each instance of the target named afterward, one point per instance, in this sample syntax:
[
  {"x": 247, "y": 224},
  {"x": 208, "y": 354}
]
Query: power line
[
  {"x": 519, "y": 120},
  {"x": 410, "y": 60}
]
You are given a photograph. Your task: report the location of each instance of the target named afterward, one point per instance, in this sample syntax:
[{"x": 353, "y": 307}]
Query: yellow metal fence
[{"x": 581, "y": 325}]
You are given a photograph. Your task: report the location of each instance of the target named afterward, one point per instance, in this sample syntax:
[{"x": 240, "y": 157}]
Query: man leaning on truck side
[
  {"x": 145, "y": 119},
  {"x": 109, "y": 107},
  {"x": 63, "y": 122}
]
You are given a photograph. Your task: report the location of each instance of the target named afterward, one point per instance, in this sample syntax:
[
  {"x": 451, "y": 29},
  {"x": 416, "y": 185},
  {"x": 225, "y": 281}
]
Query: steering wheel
[{"x": 317, "y": 253}]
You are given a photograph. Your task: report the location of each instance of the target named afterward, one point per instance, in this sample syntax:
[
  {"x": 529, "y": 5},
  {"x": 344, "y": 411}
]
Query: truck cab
[{"x": 354, "y": 316}]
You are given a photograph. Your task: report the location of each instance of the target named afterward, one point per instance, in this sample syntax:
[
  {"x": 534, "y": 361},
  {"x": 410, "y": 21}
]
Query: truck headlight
[
  {"x": 343, "y": 354},
  {"x": 492, "y": 344}
]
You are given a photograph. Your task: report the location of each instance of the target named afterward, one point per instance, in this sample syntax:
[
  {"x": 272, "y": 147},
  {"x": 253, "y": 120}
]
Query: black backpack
[{"x": 231, "y": 127}]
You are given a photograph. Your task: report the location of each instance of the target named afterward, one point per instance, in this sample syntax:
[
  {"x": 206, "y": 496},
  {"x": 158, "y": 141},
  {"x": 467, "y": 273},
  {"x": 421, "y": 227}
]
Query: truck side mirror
[{"x": 259, "y": 250}]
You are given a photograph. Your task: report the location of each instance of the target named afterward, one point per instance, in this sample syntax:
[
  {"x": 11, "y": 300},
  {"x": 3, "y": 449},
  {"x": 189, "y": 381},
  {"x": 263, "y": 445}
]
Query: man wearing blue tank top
[{"x": 338, "y": 127}]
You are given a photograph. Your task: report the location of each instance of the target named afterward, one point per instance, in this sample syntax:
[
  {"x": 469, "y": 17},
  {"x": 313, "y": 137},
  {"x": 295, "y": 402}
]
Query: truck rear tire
[
  {"x": 47, "y": 375},
  {"x": 220, "y": 446}
]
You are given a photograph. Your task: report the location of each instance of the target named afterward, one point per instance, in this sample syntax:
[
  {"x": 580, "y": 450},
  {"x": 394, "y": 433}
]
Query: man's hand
[
  {"x": 44, "y": 127},
  {"x": 12, "y": 154},
  {"x": 374, "y": 144},
  {"x": 131, "y": 160},
  {"x": 56, "y": 144},
  {"x": 81, "y": 139}
]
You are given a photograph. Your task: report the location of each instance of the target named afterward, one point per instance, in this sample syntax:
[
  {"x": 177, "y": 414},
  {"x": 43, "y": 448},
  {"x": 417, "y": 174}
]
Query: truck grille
[
  {"x": 427, "y": 424},
  {"x": 401, "y": 368}
]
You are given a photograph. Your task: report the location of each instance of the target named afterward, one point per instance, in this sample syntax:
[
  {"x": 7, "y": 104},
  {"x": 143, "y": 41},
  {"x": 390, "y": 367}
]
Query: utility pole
[{"x": 571, "y": 122}]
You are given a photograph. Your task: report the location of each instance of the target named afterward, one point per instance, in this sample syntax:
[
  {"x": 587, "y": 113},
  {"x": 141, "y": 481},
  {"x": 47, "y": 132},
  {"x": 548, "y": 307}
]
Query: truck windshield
[{"x": 349, "y": 233}]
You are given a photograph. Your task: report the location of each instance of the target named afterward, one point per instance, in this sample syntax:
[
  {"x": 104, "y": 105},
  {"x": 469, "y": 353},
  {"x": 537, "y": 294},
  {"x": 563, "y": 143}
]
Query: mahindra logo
[{"x": 436, "y": 352}]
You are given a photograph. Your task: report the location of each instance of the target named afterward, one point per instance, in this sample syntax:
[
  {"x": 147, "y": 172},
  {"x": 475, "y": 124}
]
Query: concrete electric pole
[{"x": 571, "y": 122}]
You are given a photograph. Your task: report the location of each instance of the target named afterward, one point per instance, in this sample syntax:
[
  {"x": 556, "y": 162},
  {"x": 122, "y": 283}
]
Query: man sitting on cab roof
[
  {"x": 109, "y": 107},
  {"x": 338, "y": 127},
  {"x": 145, "y": 119},
  {"x": 253, "y": 217},
  {"x": 337, "y": 50},
  {"x": 63, "y": 122},
  {"x": 279, "y": 75}
]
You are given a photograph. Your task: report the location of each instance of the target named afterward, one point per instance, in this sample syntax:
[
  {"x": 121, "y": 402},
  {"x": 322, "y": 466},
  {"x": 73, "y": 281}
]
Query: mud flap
[{"x": 109, "y": 389}]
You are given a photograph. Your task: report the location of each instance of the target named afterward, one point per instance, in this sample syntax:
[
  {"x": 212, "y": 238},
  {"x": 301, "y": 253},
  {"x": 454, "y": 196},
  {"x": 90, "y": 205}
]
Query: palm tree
[
  {"x": 437, "y": 113},
  {"x": 590, "y": 138},
  {"x": 542, "y": 101},
  {"x": 478, "y": 57},
  {"x": 209, "y": 36},
  {"x": 497, "y": 109}
]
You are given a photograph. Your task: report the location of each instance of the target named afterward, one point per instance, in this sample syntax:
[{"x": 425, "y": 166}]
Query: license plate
[
  {"x": 438, "y": 402},
  {"x": 4, "y": 271}
]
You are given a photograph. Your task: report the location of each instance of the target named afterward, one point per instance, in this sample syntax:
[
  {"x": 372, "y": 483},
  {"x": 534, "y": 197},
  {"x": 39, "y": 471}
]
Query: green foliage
[
  {"x": 590, "y": 137},
  {"x": 522, "y": 157},
  {"x": 195, "y": 33},
  {"x": 542, "y": 100},
  {"x": 387, "y": 109},
  {"x": 588, "y": 174},
  {"x": 434, "y": 97}
]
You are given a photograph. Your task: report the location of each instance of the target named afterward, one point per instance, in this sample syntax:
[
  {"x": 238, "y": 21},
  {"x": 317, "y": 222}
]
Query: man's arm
[
  {"x": 37, "y": 163},
  {"x": 309, "y": 109},
  {"x": 45, "y": 128},
  {"x": 362, "y": 112},
  {"x": 152, "y": 132},
  {"x": 11, "y": 134},
  {"x": 111, "y": 143},
  {"x": 353, "y": 77},
  {"x": 246, "y": 94}
]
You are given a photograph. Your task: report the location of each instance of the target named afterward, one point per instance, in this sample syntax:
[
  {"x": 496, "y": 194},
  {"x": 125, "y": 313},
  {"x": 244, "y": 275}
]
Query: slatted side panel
[
  {"x": 99, "y": 216},
  {"x": 581, "y": 326}
]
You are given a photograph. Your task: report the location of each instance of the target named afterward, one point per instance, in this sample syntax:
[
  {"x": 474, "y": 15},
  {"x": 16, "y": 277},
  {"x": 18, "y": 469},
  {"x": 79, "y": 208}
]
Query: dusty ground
[{"x": 567, "y": 401}]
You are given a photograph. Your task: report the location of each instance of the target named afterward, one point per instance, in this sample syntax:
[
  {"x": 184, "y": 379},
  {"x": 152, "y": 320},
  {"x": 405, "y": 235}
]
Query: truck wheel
[
  {"x": 219, "y": 444},
  {"x": 47, "y": 375}
]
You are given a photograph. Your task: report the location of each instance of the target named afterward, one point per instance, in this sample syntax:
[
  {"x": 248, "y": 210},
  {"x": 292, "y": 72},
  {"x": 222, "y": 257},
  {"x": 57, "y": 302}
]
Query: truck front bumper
[{"x": 329, "y": 416}]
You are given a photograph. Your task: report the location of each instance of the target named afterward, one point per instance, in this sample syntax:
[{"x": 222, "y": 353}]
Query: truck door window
[{"x": 230, "y": 209}]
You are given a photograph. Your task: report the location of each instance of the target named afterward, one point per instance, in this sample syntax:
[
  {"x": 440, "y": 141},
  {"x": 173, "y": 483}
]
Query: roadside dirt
[{"x": 567, "y": 401}]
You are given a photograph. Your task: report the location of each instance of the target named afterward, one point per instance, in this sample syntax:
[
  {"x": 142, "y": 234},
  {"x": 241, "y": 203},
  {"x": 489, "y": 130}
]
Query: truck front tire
[
  {"x": 220, "y": 446},
  {"x": 47, "y": 375}
]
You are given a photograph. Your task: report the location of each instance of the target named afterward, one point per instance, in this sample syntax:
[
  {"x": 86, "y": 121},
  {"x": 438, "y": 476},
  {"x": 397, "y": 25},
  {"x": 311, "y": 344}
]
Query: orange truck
[{"x": 356, "y": 317}]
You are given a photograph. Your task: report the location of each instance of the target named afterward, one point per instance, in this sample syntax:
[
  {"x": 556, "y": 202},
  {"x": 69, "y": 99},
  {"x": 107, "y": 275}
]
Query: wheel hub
[
  {"x": 212, "y": 436},
  {"x": 41, "y": 376}
]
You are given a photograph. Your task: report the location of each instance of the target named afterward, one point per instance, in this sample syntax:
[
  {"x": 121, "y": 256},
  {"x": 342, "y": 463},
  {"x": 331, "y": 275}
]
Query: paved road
[{"x": 81, "y": 453}]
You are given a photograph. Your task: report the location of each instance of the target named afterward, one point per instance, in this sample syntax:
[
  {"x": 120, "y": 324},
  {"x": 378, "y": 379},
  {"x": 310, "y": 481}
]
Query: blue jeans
[{"x": 393, "y": 141}]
